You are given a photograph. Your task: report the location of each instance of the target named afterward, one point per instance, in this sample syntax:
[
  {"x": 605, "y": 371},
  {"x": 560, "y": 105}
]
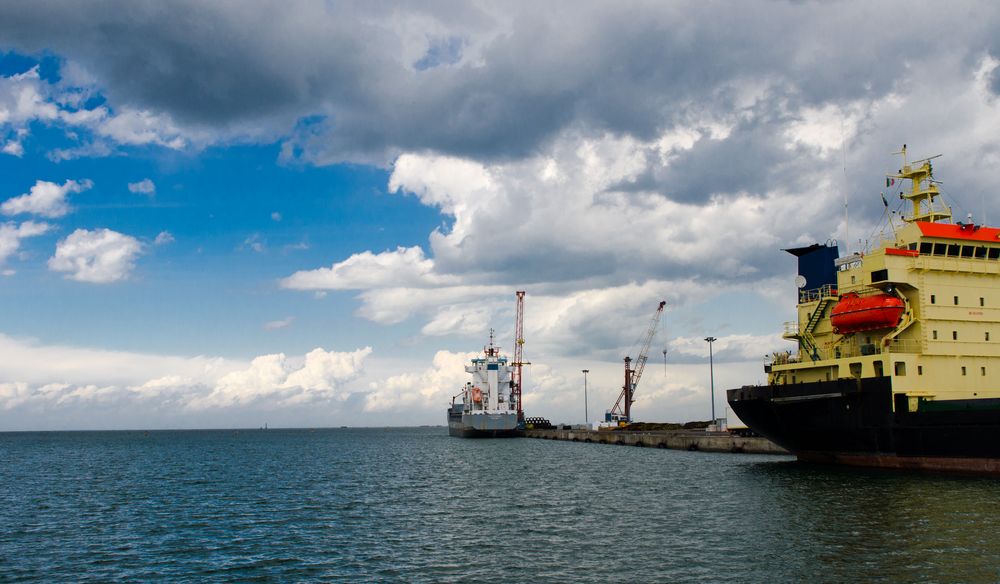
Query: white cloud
[
  {"x": 405, "y": 266},
  {"x": 23, "y": 99},
  {"x": 272, "y": 377},
  {"x": 14, "y": 148},
  {"x": 46, "y": 199},
  {"x": 163, "y": 238},
  {"x": 255, "y": 243},
  {"x": 145, "y": 187},
  {"x": 279, "y": 324},
  {"x": 138, "y": 128},
  {"x": 99, "y": 256},
  {"x": 12, "y": 233},
  {"x": 431, "y": 388},
  {"x": 53, "y": 378},
  {"x": 735, "y": 347},
  {"x": 275, "y": 216}
]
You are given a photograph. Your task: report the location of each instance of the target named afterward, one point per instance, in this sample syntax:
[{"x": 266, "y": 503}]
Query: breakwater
[{"x": 673, "y": 439}]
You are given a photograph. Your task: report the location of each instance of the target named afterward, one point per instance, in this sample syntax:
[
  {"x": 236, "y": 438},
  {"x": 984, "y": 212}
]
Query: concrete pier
[{"x": 673, "y": 439}]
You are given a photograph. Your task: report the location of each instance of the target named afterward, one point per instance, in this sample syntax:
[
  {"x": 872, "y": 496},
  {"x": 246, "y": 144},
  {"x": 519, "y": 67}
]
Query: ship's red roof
[{"x": 966, "y": 232}]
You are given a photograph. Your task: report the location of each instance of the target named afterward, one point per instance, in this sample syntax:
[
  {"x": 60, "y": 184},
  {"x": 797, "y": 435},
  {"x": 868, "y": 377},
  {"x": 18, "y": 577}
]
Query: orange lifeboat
[
  {"x": 855, "y": 313},
  {"x": 477, "y": 395}
]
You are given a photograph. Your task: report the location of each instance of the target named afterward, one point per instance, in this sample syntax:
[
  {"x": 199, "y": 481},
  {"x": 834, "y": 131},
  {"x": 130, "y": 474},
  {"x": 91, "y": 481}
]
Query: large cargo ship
[
  {"x": 488, "y": 406},
  {"x": 898, "y": 348}
]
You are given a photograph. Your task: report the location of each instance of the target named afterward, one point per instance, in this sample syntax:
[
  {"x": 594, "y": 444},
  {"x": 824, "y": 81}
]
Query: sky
[{"x": 310, "y": 214}]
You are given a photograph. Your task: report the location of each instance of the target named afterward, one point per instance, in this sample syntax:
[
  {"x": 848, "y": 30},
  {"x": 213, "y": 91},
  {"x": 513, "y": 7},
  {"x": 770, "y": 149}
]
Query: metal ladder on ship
[{"x": 808, "y": 341}]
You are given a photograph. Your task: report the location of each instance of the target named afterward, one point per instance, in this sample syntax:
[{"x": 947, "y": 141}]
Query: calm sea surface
[{"x": 413, "y": 505}]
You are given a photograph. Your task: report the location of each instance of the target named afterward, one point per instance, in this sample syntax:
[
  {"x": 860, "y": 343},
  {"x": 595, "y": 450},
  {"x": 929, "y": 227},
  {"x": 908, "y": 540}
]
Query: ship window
[
  {"x": 934, "y": 335},
  {"x": 900, "y": 369},
  {"x": 963, "y": 370},
  {"x": 939, "y": 248},
  {"x": 982, "y": 301},
  {"x": 880, "y": 275},
  {"x": 926, "y": 248},
  {"x": 956, "y": 300},
  {"x": 954, "y": 335},
  {"x": 968, "y": 251},
  {"x": 954, "y": 249},
  {"x": 987, "y": 335},
  {"x": 878, "y": 369},
  {"x": 994, "y": 253},
  {"x": 982, "y": 371},
  {"x": 920, "y": 369},
  {"x": 855, "y": 369},
  {"x": 981, "y": 252},
  {"x": 912, "y": 246},
  {"x": 933, "y": 299}
]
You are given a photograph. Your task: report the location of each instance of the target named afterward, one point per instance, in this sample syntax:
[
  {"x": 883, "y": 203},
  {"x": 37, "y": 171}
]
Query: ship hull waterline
[
  {"x": 853, "y": 422},
  {"x": 483, "y": 425}
]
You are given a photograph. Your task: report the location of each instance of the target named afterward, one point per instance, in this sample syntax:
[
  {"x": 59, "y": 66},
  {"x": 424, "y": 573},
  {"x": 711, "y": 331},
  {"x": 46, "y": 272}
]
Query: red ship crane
[
  {"x": 622, "y": 410},
  {"x": 519, "y": 352}
]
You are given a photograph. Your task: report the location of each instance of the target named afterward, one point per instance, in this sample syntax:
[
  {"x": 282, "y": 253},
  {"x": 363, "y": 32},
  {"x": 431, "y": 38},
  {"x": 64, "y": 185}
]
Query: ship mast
[{"x": 922, "y": 196}]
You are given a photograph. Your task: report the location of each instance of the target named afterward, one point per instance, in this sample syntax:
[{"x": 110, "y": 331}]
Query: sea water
[{"x": 414, "y": 505}]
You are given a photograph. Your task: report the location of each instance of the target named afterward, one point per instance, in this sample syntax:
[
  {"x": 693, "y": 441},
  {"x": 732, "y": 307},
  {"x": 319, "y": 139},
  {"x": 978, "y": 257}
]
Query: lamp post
[
  {"x": 711, "y": 373},
  {"x": 586, "y": 414}
]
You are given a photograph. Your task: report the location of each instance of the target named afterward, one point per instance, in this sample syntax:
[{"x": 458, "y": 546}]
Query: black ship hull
[
  {"x": 463, "y": 429},
  {"x": 854, "y": 422}
]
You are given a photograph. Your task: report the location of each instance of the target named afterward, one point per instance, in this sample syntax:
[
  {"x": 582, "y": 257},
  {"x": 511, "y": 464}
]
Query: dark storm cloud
[{"x": 492, "y": 81}]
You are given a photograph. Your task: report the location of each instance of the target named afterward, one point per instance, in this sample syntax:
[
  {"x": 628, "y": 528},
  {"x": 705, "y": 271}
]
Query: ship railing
[
  {"x": 845, "y": 351},
  {"x": 792, "y": 328},
  {"x": 782, "y": 358},
  {"x": 905, "y": 346},
  {"x": 814, "y": 294}
]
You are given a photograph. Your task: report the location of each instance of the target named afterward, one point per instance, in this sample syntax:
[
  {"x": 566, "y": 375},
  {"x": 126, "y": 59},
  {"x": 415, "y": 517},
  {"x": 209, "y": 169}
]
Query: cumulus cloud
[
  {"x": 273, "y": 377},
  {"x": 435, "y": 385},
  {"x": 145, "y": 186},
  {"x": 400, "y": 267},
  {"x": 100, "y": 256},
  {"x": 48, "y": 379},
  {"x": 163, "y": 238},
  {"x": 12, "y": 233},
  {"x": 479, "y": 80},
  {"x": 46, "y": 199},
  {"x": 26, "y": 98}
]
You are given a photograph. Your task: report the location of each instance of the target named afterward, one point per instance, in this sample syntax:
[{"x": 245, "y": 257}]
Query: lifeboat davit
[{"x": 855, "y": 313}]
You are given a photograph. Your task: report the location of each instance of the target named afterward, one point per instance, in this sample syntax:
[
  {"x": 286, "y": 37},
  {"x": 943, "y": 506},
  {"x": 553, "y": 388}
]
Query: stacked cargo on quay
[{"x": 898, "y": 349}]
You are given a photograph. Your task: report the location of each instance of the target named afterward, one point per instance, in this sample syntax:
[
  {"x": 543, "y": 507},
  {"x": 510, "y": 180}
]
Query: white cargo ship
[{"x": 488, "y": 406}]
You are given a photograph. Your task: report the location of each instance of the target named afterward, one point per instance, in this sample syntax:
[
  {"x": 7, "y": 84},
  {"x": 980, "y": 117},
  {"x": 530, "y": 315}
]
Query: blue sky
[{"x": 216, "y": 217}]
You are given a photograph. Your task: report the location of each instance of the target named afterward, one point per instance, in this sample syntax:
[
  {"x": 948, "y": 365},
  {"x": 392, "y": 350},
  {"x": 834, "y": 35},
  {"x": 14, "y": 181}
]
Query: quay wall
[{"x": 674, "y": 439}]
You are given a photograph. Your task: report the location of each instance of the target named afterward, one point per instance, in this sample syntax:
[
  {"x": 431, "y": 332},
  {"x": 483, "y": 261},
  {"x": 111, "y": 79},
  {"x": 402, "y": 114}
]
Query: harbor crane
[
  {"x": 621, "y": 412},
  {"x": 519, "y": 353}
]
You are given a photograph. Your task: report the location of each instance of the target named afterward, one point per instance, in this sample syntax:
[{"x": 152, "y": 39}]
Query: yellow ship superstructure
[
  {"x": 907, "y": 334},
  {"x": 948, "y": 275}
]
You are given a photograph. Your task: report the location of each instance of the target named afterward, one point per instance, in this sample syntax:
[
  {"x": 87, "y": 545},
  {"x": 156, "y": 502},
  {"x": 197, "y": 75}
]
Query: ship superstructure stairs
[{"x": 823, "y": 297}]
